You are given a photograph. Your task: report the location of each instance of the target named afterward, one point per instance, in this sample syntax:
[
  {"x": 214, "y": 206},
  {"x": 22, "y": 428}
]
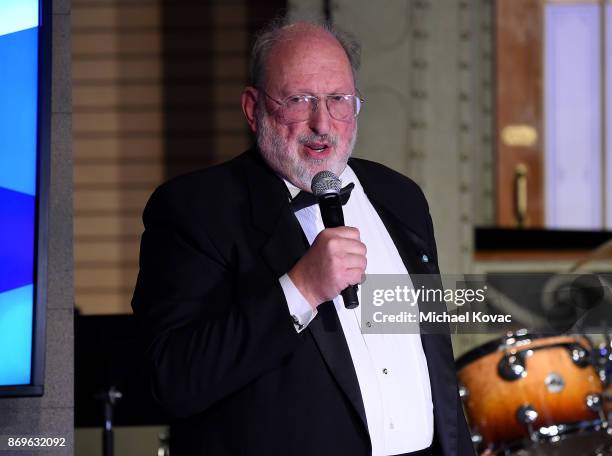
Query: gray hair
[{"x": 272, "y": 33}]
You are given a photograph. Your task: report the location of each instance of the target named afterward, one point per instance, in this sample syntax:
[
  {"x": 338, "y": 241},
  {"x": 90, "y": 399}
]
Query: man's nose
[{"x": 319, "y": 121}]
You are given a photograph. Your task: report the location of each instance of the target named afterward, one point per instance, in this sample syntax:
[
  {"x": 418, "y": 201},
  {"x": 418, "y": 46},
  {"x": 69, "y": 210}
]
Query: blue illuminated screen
[{"x": 19, "y": 26}]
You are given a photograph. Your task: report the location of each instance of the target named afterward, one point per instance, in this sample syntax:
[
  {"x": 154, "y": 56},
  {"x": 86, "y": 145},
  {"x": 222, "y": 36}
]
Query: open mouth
[{"x": 317, "y": 147}]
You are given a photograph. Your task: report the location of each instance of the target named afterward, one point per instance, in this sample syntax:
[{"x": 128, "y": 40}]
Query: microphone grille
[{"x": 325, "y": 182}]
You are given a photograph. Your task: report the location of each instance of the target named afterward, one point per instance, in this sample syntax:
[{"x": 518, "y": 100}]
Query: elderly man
[{"x": 252, "y": 349}]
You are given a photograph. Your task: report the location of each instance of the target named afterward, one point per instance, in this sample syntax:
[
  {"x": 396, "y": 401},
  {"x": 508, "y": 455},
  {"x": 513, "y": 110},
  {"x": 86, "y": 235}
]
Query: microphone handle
[
  {"x": 332, "y": 215},
  {"x": 349, "y": 294}
]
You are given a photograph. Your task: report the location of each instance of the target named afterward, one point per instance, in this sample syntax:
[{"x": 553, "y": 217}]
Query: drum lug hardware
[
  {"x": 527, "y": 415},
  {"x": 512, "y": 366},
  {"x": 579, "y": 355},
  {"x": 594, "y": 403},
  {"x": 464, "y": 392},
  {"x": 476, "y": 438}
]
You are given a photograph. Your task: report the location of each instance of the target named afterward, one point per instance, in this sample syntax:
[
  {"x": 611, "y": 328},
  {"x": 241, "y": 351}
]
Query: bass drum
[{"x": 519, "y": 385}]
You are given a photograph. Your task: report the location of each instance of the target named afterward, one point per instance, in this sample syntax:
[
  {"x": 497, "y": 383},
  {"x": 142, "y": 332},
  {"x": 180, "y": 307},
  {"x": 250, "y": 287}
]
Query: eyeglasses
[{"x": 299, "y": 107}]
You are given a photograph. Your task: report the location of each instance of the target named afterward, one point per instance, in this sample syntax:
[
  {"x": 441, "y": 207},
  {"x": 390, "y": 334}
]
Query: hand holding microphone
[{"x": 336, "y": 261}]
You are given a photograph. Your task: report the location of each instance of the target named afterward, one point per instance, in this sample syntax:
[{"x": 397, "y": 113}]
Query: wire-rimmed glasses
[{"x": 299, "y": 107}]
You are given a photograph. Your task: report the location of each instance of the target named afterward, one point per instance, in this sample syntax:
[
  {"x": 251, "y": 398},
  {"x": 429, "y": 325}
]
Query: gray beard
[{"x": 285, "y": 160}]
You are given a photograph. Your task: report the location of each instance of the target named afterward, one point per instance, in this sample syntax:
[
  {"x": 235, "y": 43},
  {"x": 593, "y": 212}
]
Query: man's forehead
[{"x": 305, "y": 51}]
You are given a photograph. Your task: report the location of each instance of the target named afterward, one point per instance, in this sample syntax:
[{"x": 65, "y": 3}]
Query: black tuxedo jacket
[{"x": 226, "y": 360}]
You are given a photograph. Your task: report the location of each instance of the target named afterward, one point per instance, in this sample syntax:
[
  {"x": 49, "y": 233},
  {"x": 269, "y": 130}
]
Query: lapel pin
[{"x": 425, "y": 259}]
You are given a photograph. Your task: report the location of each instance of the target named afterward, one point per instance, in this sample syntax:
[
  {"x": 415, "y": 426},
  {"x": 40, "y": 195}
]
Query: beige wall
[{"x": 426, "y": 79}]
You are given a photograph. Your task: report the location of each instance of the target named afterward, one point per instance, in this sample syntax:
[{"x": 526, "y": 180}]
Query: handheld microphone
[{"x": 326, "y": 187}]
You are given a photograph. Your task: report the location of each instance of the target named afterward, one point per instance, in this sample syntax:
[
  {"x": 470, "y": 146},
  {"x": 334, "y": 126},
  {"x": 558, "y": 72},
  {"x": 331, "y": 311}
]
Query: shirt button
[
  {"x": 391, "y": 425},
  {"x": 385, "y": 371}
]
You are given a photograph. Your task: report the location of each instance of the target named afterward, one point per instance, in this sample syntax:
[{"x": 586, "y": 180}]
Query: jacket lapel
[
  {"x": 283, "y": 244},
  {"x": 408, "y": 233},
  {"x": 279, "y": 234},
  {"x": 329, "y": 337}
]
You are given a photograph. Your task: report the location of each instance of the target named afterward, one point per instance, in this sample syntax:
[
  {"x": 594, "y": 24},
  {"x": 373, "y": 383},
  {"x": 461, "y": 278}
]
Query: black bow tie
[{"x": 305, "y": 199}]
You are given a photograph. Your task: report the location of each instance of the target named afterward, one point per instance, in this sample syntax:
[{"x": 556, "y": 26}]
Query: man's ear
[{"x": 249, "y": 105}]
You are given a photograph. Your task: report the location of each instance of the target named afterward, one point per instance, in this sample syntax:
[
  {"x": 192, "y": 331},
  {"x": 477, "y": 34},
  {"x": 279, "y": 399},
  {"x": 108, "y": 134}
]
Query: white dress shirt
[{"x": 391, "y": 368}]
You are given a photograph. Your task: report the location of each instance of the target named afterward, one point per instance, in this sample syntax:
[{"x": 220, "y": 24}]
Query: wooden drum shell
[{"x": 492, "y": 401}]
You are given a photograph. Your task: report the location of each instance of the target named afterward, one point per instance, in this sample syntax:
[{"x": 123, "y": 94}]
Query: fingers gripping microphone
[{"x": 326, "y": 187}]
